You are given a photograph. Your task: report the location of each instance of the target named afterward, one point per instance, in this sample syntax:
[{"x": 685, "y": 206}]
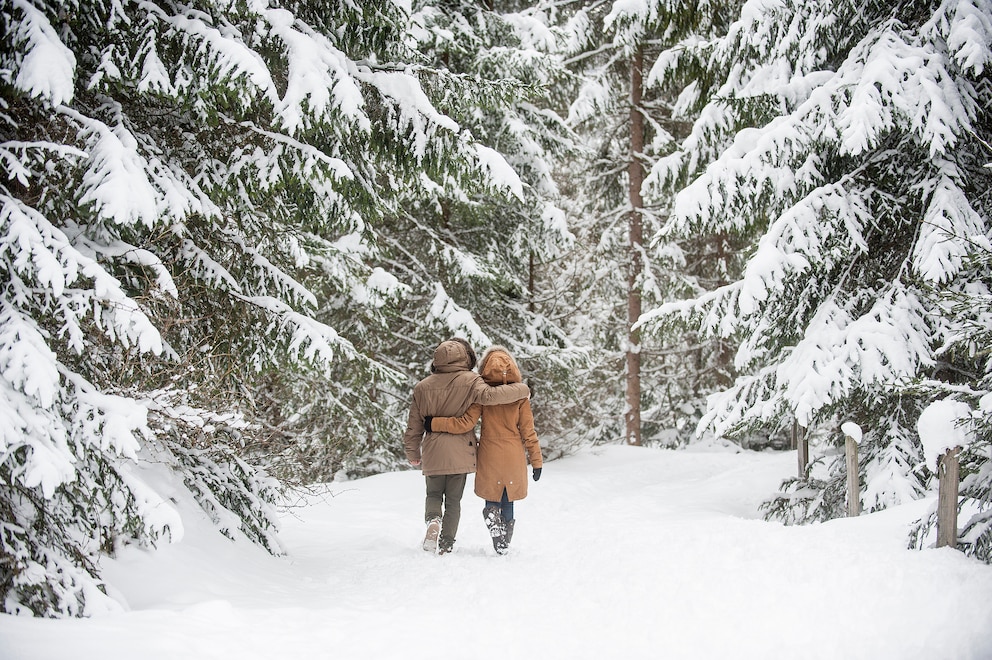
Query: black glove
[
  {"x": 537, "y": 474},
  {"x": 427, "y": 424}
]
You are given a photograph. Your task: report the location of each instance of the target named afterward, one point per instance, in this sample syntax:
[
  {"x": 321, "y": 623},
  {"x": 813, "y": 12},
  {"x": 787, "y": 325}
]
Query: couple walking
[{"x": 440, "y": 438}]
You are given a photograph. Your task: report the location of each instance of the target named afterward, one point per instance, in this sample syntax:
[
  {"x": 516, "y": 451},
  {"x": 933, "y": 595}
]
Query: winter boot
[
  {"x": 433, "y": 530},
  {"x": 502, "y": 543},
  {"x": 445, "y": 545},
  {"x": 497, "y": 527}
]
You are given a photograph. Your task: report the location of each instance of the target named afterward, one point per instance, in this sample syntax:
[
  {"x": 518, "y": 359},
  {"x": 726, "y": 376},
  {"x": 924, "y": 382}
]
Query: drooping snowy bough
[
  {"x": 193, "y": 211},
  {"x": 849, "y": 143}
]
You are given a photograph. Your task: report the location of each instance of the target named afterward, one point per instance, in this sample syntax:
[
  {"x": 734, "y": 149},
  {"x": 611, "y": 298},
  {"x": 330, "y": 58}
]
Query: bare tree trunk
[
  {"x": 530, "y": 283},
  {"x": 635, "y": 174}
]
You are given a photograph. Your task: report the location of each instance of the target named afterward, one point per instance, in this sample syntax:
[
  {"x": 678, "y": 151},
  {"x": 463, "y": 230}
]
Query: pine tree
[
  {"x": 195, "y": 201},
  {"x": 475, "y": 252},
  {"x": 849, "y": 139},
  {"x": 970, "y": 313},
  {"x": 628, "y": 125}
]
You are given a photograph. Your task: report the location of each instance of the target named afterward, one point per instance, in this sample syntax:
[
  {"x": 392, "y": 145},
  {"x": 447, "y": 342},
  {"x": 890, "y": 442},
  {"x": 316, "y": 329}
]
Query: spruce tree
[
  {"x": 626, "y": 125},
  {"x": 198, "y": 203},
  {"x": 477, "y": 252},
  {"x": 850, "y": 140}
]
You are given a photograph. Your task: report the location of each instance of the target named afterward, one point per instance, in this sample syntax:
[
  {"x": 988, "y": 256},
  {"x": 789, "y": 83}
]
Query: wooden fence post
[
  {"x": 853, "y": 482},
  {"x": 802, "y": 444},
  {"x": 947, "y": 499}
]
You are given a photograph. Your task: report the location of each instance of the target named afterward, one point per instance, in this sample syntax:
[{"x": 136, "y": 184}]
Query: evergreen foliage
[
  {"x": 202, "y": 206},
  {"x": 232, "y": 233},
  {"x": 678, "y": 368},
  {"x": 970, "y": 312},
  {"x": 483, "y": 265},
  {"x": 850, "y": 140}
]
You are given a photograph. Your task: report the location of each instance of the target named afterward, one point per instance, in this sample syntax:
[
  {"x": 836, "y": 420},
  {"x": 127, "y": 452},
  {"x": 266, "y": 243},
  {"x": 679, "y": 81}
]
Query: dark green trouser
[{"x": 444, "y": 501}]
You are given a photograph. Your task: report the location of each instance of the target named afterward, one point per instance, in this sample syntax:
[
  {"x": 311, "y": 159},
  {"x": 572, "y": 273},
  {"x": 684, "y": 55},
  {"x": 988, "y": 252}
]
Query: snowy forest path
[{"x": 618, "y": 552}]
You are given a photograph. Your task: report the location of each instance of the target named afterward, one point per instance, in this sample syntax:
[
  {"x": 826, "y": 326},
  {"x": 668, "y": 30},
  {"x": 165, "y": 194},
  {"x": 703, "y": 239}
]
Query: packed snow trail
[{"x": 619, "y": 552}]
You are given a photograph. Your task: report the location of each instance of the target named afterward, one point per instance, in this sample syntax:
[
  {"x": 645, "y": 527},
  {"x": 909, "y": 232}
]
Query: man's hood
[{"x": 451, "y": 355}]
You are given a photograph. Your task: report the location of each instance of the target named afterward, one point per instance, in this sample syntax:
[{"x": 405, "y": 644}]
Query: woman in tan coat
[{"x": 507, "y": 441}]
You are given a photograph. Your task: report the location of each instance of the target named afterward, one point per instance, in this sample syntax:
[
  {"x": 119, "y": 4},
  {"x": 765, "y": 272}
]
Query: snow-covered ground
[{"x": 619, "y": 552}]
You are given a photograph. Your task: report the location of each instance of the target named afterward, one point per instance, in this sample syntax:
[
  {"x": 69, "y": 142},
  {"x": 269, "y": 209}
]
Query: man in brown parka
[
  {"x": 447, "y": 458},
  {"x": 507, "y": 442}
]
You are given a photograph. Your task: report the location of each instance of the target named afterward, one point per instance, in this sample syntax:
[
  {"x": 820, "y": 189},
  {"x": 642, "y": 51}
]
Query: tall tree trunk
[
  {"x": 635, "y": 175},
  {"x": 530, "y": 283},
  {"x": 724, "y": 351}
]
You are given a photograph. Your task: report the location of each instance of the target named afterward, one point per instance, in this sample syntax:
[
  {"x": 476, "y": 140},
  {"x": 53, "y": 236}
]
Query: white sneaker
[{"x": 433, "y": 531}]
